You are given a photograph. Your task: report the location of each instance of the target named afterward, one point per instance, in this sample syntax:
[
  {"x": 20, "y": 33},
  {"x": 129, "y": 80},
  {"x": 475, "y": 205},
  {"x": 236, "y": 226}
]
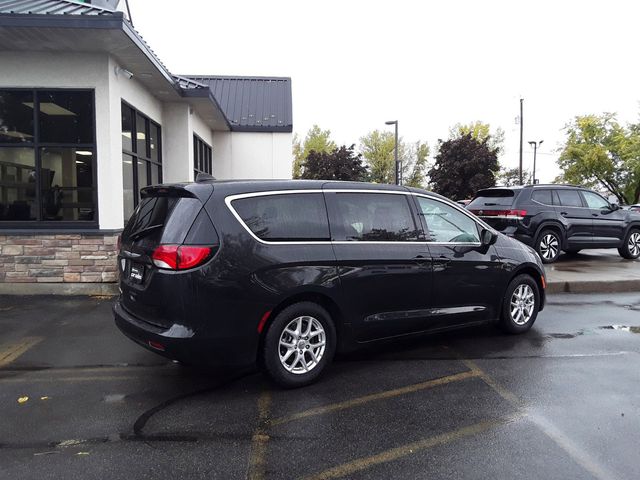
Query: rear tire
[
  {"x": 548, "y": 245},
  {"x": 631, "y": 247},
  {"x": 298, "y": 345},
  {"x": 520, "y": 305}
]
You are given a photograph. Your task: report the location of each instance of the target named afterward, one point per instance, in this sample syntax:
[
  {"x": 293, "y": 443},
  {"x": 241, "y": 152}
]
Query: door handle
[
  {"x": 564, "y": 214},
  {"x": 594, "y": 214}
]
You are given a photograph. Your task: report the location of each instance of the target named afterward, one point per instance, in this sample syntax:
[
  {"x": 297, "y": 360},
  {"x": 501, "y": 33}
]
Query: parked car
[
  {"x": 552, "y": 218},
  {"x": 286, "y": 273}
]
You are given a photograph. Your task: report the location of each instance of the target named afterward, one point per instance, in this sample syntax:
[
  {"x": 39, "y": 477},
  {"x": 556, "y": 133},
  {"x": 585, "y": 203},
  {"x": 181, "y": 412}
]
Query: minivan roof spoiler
[{"x": 201, "y": 191}]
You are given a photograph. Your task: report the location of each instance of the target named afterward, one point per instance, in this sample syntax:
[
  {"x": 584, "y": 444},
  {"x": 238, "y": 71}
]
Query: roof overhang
[{"x": 111, "y": 34}]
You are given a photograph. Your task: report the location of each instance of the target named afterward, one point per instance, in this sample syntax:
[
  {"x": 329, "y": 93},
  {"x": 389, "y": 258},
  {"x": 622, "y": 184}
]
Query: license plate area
[{"x": 136, "y": 273}]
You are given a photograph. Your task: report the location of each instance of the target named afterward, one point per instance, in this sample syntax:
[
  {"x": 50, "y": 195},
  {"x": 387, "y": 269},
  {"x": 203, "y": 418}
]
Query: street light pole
[
  {"x": 535, "y": 151},
  {"x": 521, "y": 127},
  {"x": 395, "y": 152}
]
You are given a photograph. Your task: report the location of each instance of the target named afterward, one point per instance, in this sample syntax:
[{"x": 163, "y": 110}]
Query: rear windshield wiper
[
  {"x": 489, "y": 204},
  {"x": 144, "y": 231}
]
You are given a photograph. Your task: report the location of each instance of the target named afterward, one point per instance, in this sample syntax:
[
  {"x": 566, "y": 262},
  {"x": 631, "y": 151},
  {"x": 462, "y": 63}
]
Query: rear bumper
[{"x": 181, "y": 343}]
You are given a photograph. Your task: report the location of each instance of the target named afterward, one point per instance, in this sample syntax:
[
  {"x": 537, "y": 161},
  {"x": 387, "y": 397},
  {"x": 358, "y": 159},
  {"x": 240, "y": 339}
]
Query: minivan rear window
[
  {"x": 285, "y": 217},
  {"x": 161, "y": 219},
  {"x": 502, "y": 197}
]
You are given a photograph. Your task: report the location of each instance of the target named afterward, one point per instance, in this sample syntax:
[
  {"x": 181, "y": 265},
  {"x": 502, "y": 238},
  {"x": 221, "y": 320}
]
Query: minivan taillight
[{"x": 175, "y": 257}]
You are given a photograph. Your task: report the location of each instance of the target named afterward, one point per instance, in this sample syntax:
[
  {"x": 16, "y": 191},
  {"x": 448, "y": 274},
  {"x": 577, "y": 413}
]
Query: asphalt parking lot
[{"x": 78, "y": 400}]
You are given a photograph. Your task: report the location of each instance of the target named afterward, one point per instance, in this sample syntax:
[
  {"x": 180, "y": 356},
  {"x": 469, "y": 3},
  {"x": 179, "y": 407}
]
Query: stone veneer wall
[{"x": 68, "y": 258}]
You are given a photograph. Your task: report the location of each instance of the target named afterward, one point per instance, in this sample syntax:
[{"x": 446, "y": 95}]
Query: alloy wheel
[
  {"x": 549, "y": 246},
  {"x": 634, "y": 244},
  {"x": 523, "y": 302},
  {"x": 302, "y": 344}
]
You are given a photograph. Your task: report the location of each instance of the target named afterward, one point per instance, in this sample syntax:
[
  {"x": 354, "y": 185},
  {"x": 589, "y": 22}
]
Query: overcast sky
[{"x": 355, "y": 64}]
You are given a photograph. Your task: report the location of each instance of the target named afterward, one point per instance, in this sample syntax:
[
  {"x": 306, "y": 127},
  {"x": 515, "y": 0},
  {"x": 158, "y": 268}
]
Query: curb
[
  {"x": 59, "y": 289},
  {"x": 614, "y": 286}
]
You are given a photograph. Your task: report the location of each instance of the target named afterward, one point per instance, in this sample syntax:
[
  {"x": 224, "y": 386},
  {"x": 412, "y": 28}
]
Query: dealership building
[{"x": 88, "y": 116}]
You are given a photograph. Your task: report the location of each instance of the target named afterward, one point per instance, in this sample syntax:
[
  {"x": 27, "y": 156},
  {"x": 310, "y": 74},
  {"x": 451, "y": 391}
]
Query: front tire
[
  {"x": 298, "y": 345},
  {"x": 631, "y": 247},
  {"x": 520, "y": 305},
  {"x": 548, "y": 245}
]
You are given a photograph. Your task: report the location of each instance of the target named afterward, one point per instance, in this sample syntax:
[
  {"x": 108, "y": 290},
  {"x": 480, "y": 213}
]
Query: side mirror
[
  {"x": 614, "y": 202},
  {"x": 488, "y": 237}
]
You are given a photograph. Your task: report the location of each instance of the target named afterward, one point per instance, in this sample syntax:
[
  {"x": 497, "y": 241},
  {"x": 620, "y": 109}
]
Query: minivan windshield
[{"x": 498, "y": 197}]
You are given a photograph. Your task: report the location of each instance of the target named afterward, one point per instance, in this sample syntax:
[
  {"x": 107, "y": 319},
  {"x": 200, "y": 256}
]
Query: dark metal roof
[
  {"x": 252, "y": 104},
  {"x": 51, "y": 7},
  {"x": 249, "y": 104}
]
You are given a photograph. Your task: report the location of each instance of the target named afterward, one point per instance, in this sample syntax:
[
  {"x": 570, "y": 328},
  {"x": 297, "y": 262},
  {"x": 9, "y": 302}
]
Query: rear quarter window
[
  {"x": 544, "y": 197},
  {"x": 285, "y": 217}
]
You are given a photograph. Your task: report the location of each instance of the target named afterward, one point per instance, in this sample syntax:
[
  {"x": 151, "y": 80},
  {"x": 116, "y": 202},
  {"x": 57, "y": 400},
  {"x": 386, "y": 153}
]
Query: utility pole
[
  {"x": 535, "y": 146},
  {"x": 521, "y": 127},
  {"x": 395, "y": 151}
]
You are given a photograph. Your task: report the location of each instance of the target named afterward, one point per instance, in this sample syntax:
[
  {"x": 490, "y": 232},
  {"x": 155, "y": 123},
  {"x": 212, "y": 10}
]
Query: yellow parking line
[
  {"x": 375, "y": 396},
  {"x": 259, "y": 440},
  {"x": 578, "y": 455},
  {"x": 10, "y": 353},
  {"x": 396, "y": 453}
]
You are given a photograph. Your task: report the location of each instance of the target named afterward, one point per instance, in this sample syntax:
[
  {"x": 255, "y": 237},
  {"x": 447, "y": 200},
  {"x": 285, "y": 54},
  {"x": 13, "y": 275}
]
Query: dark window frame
[
  {"x": 38, "y": 146},
  {"x": 136, "y": 156},
  {"x": 202, "y": 149}
]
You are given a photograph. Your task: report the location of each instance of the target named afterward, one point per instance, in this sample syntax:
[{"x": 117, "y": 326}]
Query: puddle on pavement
[
  {"x": 591, "y": 331},
  {"x": 621, "y": 328}
]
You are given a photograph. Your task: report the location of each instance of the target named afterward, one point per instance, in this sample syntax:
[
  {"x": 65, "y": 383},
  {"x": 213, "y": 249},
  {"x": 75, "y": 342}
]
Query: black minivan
[{"x": 286, "y": 273}]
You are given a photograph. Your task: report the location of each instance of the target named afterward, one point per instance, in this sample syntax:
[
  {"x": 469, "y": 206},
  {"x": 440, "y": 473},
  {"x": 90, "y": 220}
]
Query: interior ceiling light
[
  {"x": 86, "y": 153},
  {"x": 53, "y": 109}
]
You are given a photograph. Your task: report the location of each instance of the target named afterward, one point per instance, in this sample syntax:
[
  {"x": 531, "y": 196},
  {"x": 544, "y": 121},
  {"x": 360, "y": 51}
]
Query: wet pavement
[
  {"x": 78, "y": 400},
  {"x": 593, "y": 271}
]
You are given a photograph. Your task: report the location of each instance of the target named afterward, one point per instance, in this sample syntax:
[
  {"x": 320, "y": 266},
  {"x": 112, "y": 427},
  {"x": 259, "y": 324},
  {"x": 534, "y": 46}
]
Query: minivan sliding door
[{"x": 384, "y": 271}]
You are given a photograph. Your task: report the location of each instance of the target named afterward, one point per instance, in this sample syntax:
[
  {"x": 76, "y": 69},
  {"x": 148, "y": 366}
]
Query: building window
[
  {"x": 141, "y": 156},
  {"x": 202, "y": 161},
  {"x": 47, "y": 158}
]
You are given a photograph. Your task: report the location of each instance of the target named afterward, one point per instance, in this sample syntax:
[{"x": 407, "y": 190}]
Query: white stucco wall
[{"x": 252, "y": 155}]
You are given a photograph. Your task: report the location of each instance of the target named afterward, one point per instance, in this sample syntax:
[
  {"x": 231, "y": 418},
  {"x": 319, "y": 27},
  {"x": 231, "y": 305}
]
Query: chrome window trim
[{"x": 230, "y": 198}]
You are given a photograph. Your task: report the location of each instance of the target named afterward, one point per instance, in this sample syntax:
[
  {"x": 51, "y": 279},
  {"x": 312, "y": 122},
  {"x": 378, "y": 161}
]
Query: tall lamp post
[
  {"x": 535, "y": 146},
  {"x": 395, "y": 151}
]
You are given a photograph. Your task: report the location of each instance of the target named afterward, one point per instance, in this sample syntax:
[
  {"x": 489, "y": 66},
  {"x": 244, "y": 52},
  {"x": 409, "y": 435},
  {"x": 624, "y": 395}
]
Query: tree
[
  {"x": 378, "y": 149},
  {"x": 598, "y": 151},
  {"x": 463, "y": 166},
  {"x": 316, "y": 140},
  {"x": 481, "y": 132},
  {"x": 341, "y": 164},
  {"x": 510, "y": 177}
]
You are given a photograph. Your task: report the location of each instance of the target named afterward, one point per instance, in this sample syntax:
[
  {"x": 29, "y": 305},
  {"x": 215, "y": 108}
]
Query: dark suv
[
  {"x": 552, "y": 218},
  {"x": 284, "y": 273}
]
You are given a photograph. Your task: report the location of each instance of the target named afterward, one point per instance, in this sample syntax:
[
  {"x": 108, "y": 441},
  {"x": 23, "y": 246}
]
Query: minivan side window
[
  {"x": 446, "y": 224},
  {"x": 595, "y": 201},
  {"x": 373, "y": 217},
  {"x": 569, "y": 198},
  {"x": 542, "y": 196},
  {"x": 285, "y": 217}
]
